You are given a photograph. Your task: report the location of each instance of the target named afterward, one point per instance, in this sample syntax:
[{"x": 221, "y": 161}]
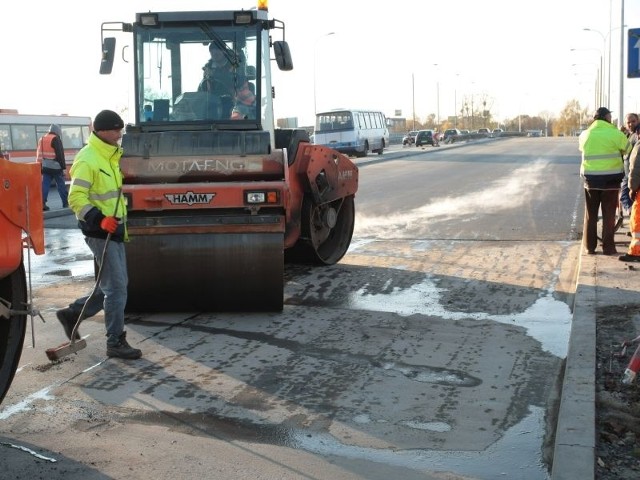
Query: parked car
[
  {"x": 426, "y": 137},
  {"x": 410, "y": 138},
  {"x": 450, "y": 135},
  {"x": 496, "y": 132},
  {"x": 484, "y": 131}
]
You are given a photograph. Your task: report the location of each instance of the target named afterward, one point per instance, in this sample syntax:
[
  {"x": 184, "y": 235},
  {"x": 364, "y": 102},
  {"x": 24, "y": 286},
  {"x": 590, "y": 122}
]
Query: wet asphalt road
[{"x": 434, "y": 346}]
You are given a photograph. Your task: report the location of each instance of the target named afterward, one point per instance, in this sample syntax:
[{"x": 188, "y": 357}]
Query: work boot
[
  {"x": 45, "y": 208},
  {"x": 123, "y": 350},
  {"x": 68, "y": 320},
  {"x": 629, "y": 258}
]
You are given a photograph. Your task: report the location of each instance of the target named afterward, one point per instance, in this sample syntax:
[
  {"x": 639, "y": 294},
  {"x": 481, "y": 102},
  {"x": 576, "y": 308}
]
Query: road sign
[{"x": 633, "y": 60}]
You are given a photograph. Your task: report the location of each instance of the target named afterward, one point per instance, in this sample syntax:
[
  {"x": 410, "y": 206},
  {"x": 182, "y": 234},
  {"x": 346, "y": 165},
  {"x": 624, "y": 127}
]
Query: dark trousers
[
  {"x": 596, "y": 200},
  {"x": 47, "y": 178}
]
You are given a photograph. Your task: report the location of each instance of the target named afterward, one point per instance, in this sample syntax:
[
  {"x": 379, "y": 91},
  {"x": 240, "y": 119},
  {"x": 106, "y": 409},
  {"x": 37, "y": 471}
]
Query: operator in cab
[{"x": 224, "y": 75}]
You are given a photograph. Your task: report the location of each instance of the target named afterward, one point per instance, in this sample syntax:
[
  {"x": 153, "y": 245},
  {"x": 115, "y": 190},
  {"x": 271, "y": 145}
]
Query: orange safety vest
[
  {"x": 634, "y": 227},
  {"x": 45, "y": 148}
]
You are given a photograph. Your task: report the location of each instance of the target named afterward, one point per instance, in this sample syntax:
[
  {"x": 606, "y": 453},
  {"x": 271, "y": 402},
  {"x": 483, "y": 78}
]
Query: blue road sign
[{"x": 633, "y": 60}]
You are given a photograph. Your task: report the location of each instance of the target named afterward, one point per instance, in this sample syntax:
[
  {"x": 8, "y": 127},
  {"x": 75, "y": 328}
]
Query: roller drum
[{"x": 206, "y": 272}]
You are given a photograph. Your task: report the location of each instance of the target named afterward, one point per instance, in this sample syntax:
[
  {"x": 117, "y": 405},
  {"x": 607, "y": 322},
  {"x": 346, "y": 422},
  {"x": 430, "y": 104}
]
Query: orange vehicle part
[
  {"x": 20, "y": 211},
  {"x": 20, "y": 214}
]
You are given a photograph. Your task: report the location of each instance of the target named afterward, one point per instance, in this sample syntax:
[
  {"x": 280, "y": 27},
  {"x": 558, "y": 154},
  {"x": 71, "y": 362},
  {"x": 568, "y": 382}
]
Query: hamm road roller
[{"x": 217, "y": 198}]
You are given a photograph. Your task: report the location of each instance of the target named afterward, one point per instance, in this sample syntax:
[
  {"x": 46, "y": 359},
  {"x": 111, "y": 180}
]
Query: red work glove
[{"x": 109, "y": 224}]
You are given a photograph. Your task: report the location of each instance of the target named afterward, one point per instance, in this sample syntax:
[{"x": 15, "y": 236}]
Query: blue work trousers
[
  {"x": 113, "y": 283},
  {"x": 94, "y": 304}
]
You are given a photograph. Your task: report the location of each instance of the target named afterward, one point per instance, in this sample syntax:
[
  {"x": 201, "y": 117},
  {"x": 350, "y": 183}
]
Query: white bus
[
  {"x": 19, "y": 134},
  {"x": 353, "y": 132}
]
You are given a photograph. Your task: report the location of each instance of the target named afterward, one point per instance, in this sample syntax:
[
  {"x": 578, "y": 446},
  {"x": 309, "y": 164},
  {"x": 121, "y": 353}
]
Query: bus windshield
[{"x": 330, "y": 122}]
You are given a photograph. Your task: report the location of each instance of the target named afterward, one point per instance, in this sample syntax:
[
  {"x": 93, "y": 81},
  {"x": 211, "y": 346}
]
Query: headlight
[{"x": 262, "y": 197}]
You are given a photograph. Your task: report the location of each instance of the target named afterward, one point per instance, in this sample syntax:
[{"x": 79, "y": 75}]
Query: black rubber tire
[
  {"x": 12, "y": 331},
  {"x": 364, "y": 152},
  {"x": 321, "y": 245}
]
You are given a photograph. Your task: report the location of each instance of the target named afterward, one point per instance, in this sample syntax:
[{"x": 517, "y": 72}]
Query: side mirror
[
  {"x": 108, "y": 52},
  {"x": 283, "y": 55}
]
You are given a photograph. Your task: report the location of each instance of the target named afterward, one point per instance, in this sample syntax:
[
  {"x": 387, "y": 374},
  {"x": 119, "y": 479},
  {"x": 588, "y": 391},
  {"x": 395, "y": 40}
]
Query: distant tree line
[{"x": 572, "y": 119}]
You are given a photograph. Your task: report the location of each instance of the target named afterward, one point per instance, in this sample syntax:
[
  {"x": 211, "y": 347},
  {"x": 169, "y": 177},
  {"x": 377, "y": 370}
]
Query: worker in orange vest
[
  {"x": 50, "y": 155},
  {"x": 633, "y": 252}
]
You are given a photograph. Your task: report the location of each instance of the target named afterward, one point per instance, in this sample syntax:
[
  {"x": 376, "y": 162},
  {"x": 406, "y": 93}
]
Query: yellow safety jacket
[
  {"x": 602, "y": 146},
  {"x": 96, "y": 188}
]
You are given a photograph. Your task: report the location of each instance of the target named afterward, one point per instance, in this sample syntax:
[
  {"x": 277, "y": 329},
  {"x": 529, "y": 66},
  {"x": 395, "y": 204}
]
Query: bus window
[
  {"x": 5, "y": 138},
  {"x": 23, "y": 137},
  {"x": 41, "y": 130},
  {"x": 72, "y": 136},
  {"x": 85, "y": 135}
]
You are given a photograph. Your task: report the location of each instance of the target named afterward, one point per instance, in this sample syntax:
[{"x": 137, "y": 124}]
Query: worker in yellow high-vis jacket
[
  {"x": 97, "y": 201},
  {"x": 603, "y": 147}
]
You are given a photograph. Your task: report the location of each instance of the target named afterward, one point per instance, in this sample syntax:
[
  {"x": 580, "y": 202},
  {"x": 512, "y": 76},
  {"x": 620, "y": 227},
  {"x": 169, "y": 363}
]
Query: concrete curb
[
  {"x": 59, "y": 212},
  {"x": 574, "y": 451}
]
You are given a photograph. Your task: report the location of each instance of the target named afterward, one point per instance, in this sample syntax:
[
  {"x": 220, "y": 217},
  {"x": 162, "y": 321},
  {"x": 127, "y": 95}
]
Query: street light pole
[
  {"x": 600, "y": 76},
  {"x": 473, "y": 86},
  {"x": 471, "y": 110},
  {"x": 455, "y": 103},
  {"x": 455, "y": 107},
  {"x": 596, "y": 88},
  {"x": 603, "y": 101},
  {"x": 621, "y": 112},
  {"x": 437, "y": 96},
  {"x": 413, "y": 100},
  {"x": 609, "y": 55},
  {"x": 438, "y": 102},
  {"x": 607, "y": 38},
  {"x": 315, "y": 47}
]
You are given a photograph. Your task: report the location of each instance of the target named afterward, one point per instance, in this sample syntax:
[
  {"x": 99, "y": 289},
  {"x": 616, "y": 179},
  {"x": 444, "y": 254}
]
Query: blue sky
[{"x": 434, "y": 55}]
